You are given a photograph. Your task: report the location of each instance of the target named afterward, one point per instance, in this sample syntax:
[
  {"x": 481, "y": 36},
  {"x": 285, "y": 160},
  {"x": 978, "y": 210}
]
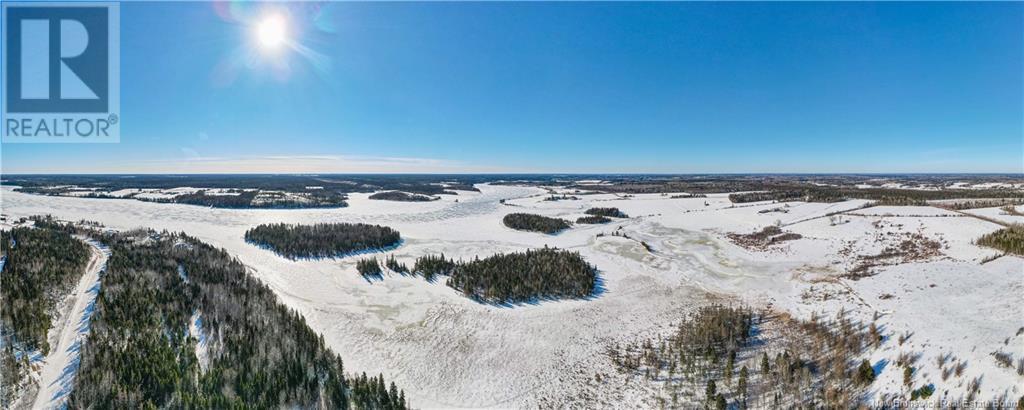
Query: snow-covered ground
[
  {"x": 448, "y": 351},
  {"x": 999, "y": 214},
  {"x": 57, "y": 371}
]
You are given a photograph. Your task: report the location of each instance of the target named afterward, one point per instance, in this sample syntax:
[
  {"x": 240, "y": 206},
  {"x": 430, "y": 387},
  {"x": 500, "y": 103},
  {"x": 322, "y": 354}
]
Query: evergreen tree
[
  {"x": 742, "y": 384},
  {"x": 729, "y": 364},
  {"x": 765, "y": 367},
  {"x": 720, "y": 403},
  {"x": 710, "y": 390},
  {"x": 865, "y": 373}
]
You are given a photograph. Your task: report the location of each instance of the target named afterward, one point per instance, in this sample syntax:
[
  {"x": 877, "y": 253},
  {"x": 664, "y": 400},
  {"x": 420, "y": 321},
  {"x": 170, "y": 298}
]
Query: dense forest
[
  {"x": 462, "y": 186},
  {"x": 38, "y": 267},
  {"x": 1009, "y": 240},
  {"x": 979, "y": 203},
  {"x": 232, "y": 198},
  {"x": 426, "y": 184},
  {"x": 609, "y": 212},
  {"x": 720, "y": 357},
  {"x": 141, "y": 352},
  {"x": 719, "y": 183},
  {"x": 255, "y": 199},
  {"x": 593, "y": 219},
  {"x": 402, "y": 197},
  {"x": 882, "y": 196},
  {"x": 324, "y": 240},
  {"x": 535, "y": 223},
  {"x": 525, "y": 276}
]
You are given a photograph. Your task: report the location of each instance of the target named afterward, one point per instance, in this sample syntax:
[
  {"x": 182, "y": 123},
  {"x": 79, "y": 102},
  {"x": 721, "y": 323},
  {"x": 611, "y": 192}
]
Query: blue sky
[{"x": 562, "y": 87}]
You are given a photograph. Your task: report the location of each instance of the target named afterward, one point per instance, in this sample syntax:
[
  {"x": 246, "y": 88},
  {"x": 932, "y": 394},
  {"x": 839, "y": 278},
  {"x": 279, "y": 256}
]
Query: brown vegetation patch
[
  {"x": 912, "y": 247},
  {"x": 726, "y": 357},
  {"x": 763, "y": 239}
]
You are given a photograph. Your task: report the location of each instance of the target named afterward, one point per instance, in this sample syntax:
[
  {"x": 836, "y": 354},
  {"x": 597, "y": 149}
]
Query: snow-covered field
[
  {"x": 448, "y": 351},
  {"x": 999, "y": 214}
]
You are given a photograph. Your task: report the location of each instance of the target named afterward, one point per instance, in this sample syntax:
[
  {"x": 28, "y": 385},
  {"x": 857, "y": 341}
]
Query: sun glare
[{"x": 272, "y": 31}]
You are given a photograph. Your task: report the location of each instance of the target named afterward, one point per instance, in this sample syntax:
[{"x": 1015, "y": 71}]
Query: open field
[{"x": 916, "y": 268}]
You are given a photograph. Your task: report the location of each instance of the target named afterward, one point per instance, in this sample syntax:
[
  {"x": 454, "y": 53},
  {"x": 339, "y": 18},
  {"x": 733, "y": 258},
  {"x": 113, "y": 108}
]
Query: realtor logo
[{"x": 61, "y": 72}]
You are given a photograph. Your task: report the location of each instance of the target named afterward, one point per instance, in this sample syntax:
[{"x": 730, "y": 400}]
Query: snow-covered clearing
[
  {"x": 448, "y": 351},
  {"x": 57, "y": 372},
  {"x": 999, "y": 214}
]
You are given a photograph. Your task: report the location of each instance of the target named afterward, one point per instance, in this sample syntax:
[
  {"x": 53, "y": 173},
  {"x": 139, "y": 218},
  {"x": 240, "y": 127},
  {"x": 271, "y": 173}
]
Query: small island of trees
[
  {"x": 401, "y": 197},
  {"x": 593, "y": 219},
  {"x": 525, "y": 276},
  {"x": 369, "y": 268},
  {"x": 609, "y": 212},
  {"x": 535, "y": 223},
  {"x": 325, "y": 240},
  {"x": 509, "y": 278}
]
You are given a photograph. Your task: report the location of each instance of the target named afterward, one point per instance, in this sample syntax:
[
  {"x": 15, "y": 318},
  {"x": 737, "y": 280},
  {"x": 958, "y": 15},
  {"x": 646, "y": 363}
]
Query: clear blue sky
[{"x": 563, "y": 87}]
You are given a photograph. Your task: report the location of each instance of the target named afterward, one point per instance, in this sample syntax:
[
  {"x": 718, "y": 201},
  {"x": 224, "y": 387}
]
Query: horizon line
[{"x": 883, "y": 173}]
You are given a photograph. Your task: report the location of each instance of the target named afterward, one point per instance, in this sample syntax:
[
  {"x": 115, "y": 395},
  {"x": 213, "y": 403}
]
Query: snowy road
[{"x": 57, "y": 374}]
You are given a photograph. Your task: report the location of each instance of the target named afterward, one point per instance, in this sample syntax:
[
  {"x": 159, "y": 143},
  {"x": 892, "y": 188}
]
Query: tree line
[
  {"x": 401, "y": 197},
  {"x": 244, "y": 199},
  {"x": 1009, "y": 240},
  {"x": 262, "y": 354},
  {"x": 882, "y": 196},
  {"x": 323, "y": 240},
  {"x": 426, "y": 184}
]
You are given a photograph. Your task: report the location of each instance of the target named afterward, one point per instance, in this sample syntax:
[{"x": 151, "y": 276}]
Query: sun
[{"x": 272, "y": 31}]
